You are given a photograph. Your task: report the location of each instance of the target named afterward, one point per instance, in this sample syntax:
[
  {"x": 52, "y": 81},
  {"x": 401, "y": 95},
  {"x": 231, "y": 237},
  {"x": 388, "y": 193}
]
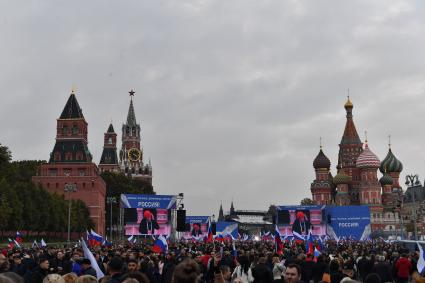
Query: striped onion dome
[
  {"x": 386, "y": 180},
  {"x": 341, "y": 178},
  {"x": 368, "y": 159},
  {"x": 391, "y": 163}
]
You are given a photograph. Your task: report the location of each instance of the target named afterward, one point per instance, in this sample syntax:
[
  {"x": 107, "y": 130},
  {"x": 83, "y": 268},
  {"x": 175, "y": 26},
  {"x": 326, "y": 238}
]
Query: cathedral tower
[
  {"x": 322, "y": 186},
  {"x": 349, "y": 150}
]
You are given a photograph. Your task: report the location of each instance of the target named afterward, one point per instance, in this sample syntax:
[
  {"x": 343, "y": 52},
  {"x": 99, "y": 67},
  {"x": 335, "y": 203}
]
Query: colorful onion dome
[
  {"x": 348, "y": 104},
  {"x": 386, "y": 180},
  {"x": 368, "y": 159},
  {"x": 341, "y": 178},
  {"x": 391, "y": 163},
  {"x": 321, "y": 161}
]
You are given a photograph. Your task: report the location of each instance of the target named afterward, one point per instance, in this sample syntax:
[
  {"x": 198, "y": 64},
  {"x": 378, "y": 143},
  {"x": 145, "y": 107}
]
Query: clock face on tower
[{"x": 134, "y": 154}]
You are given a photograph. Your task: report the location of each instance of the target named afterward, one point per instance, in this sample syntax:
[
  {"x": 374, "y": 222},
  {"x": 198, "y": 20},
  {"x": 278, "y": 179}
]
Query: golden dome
[{"x": 348, "y": 104}]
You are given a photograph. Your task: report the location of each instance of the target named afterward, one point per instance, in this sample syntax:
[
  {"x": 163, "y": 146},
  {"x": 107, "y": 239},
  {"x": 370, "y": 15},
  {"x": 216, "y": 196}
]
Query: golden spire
[
  {"x": 73, "y": 89},
  {"x": 321, "y": 146},
  {"x": 389, "y": 141},
  {"x": 365, "y": 134}
]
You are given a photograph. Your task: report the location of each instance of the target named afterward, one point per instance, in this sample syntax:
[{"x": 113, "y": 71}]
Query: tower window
[
  {"x": 110, "y": 141},
  {"x": 79, "y": 155},
  {"x": 74, "y": 129},
  {"x": 57, "y": 156},
  {"x": 68, "y": 156},
  {"x": 65, "y": 130}
]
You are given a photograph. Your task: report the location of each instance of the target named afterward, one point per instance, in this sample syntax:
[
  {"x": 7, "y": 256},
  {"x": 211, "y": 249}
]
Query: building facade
[{"x": 70, "y": 170}]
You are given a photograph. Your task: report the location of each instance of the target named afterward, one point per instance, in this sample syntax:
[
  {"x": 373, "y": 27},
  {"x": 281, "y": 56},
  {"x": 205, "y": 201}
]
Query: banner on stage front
[
  {"x": 147, "y": 214},
  {"x": 348, "y": 222}
]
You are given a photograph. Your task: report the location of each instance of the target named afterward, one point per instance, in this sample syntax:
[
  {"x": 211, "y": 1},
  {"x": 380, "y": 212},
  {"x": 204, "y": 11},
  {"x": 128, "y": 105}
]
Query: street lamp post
[
  {"x": 69, "y": 188},
  {"x": 111, "y": 201},
  {"x": 413, "y": 181}
]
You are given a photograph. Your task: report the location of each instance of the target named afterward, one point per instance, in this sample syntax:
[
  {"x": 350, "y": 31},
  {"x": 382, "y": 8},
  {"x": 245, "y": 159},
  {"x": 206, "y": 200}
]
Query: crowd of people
[{"x": 218, "y": 262}]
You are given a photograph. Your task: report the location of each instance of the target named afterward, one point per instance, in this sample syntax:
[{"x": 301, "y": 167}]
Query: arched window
[
  {"x": 74, "y": 129},
  {"x": 57, "y": 156},
  {"x": 65, "y": 130},
  {"x": 110, "y": 141}
]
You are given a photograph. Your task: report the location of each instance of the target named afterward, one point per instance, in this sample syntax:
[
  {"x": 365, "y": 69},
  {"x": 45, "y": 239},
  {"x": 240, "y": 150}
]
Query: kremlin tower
[
  {"x": 109, "y": 160},
  {"x": 70, "y": 167},
  {"x": 131, "y": 153}
]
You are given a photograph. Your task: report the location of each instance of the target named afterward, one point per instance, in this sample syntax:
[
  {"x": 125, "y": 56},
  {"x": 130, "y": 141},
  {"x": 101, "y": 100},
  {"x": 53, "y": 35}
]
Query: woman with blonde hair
[
  {"x": 53, "y": 278},
  {"x": 70, "y": 277},
  {"x": 86, "y": 279}
]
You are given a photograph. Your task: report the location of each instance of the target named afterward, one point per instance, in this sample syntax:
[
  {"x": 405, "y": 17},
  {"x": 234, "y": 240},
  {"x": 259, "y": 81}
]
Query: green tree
[
  {"x": 307, "y": 201},
  {"x": 5, "y": 155}
]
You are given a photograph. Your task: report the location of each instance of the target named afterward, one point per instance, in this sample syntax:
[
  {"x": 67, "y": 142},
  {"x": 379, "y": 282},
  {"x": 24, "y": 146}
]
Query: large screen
[
  {"x": 302, "y": 220},
  {"x": 196, "y": 227},
  {"x": 147, "y": 214}
]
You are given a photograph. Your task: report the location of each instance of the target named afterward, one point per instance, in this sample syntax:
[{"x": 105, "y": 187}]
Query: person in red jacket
[{"x": 403, "y": 267}]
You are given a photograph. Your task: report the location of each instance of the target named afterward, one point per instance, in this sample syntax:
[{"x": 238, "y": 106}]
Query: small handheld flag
[
  {"x": 160, "y": 245},
  {"x": 88, "y": 254},
  {"x": 421, "y": 261}
]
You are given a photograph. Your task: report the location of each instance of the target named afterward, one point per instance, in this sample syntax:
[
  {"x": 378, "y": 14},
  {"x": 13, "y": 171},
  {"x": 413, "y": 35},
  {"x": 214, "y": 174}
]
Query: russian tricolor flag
[
  {"x": 95, "y": 239},
  {"x": 160, "y": 245},
  {"x": 278, "y": 241},
  {"x": 209, "y": 238},
  {"x": 18, "y": 237}
]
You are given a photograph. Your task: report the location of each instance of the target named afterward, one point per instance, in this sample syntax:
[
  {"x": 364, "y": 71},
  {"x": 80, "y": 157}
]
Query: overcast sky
[{"x": 232, "y": 96}]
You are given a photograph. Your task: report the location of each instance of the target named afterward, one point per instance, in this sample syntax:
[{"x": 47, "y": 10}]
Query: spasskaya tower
[{"x": 131, "y": 153}]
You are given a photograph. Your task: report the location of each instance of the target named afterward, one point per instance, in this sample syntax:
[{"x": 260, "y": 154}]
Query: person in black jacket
[
  {"x": 319, "y": 268},
  {"x": 41, "y": 271},
  {"x": 383, "y": 269},
  {"x": 60, "y": 264},
  {"x": 86, "y": 268},
  {"x": 148, "y": 225},
  {"x": 115, "y": 269},
  {"x": 261, "y": 272}
]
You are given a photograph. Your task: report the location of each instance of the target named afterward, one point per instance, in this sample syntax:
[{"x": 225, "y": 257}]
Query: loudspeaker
[
  {"x": 214, "y": 228},
  {"x": 283, "y": 217},
  {"x": 130, "y": 215},
  {"x": 181, "y": 220},
  {"x": 323, "y": 215},
  {"x": 329, "y": 219},
  {"x": 187, "y": 227}
]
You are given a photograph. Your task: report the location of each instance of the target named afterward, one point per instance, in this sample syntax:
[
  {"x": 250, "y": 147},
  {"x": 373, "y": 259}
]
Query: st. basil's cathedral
[
  {"x": 356, "y": 181},
  {"x": 71, "y": 171}
]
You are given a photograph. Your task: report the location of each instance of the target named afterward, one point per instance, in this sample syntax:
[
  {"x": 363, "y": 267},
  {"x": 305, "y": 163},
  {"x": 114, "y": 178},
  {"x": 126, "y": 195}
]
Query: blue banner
[
  {"x": 348, "y": 222},
  {"x": 197, "y": 219},
  {"x": 227, "y": 228},
  {"x": 148, "y": 201}
]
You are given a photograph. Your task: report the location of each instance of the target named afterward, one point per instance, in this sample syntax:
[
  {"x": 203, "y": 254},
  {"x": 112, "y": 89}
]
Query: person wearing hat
[
  {"x": 148, "y": 225},
  {"x": 86, "y": 268}
]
